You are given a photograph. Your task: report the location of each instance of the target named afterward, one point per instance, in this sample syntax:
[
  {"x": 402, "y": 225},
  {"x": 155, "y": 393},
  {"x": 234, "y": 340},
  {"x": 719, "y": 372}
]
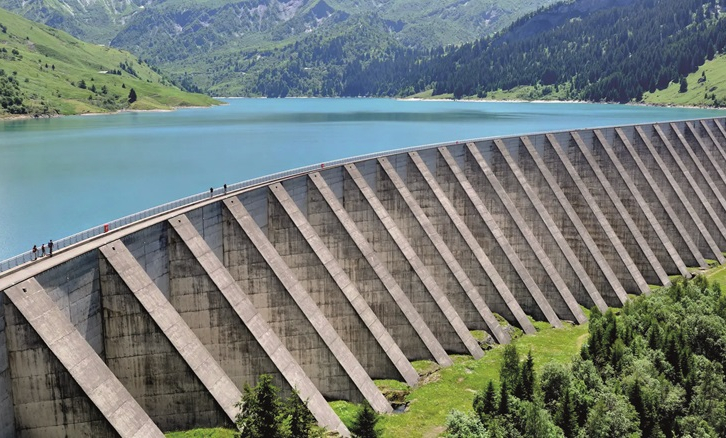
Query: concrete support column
[
  {"x": 593, "y": 217},
  {"x": 657, "y": 189},
  {"x": 312, "y": 314},
  {"x": 573, "y": 229},
  {"x": 690, "y": 187},
  {"x": 496, "y": 292},
  {"x": 633, "y": 201},
  {"x": 182, "y": 338},
  {"x": 468, "y": 297},
  {"x": 348, "y": 308},
  {"x": 422, "y": 334},
  {"x": 168, "y": 388},
  {"x": 50, "y": 357},
  {"x": 702, "y": 183},
  {"x": 708, "y": 173},
  {"x": 521, "y": 236},
  {"x": 436, "y": 295},
  {"x": 502, "y": 245},
  {"x": 615, "y": 212},
  {"x": 7, "y": 411},
  {"x": 548, "y": 234},
  {"x": 214, "y": 305}
]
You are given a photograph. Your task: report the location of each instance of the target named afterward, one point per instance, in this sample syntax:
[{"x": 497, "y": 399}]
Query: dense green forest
[
  {"x": 593, "y": 50},
  {"x": 222, "y": 45},
  {"x": 613, "y": 53},
  {"x": 656, "y": 369}
]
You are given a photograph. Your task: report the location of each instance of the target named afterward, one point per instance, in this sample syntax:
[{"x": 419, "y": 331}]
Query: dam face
[{"x": 330, "y": 279}]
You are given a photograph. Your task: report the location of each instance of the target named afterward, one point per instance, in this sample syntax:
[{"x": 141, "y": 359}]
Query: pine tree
[
  {"x": 684, "y": 85},
  {"x": 525, "y": 385},
  {"x": 503, "y": 399},
  {"x": 364, "y": 425},
  {"x": 299, "y": 416},
  {"x": 260, "y": 409},
  {"x": 132, "y": 96},
  {"x": 636, "y": 399},
  {"x": 566, "y": 418},
  {"x": 509, "y": 372},
  {"x": 485, "y": 402}
]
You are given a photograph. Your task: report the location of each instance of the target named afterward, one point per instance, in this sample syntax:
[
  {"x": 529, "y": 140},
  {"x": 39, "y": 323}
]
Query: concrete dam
[{"x": 330, "y": 279}]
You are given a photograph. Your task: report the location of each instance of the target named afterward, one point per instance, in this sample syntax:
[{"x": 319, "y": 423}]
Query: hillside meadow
[{"x": 46, "y": 72}]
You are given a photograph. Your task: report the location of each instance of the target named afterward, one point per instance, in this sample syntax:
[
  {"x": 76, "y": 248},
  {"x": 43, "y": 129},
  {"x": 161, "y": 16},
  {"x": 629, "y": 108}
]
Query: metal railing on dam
[
  {"x": 328, "y": 277},
  {"x": 28, "y": 256}
]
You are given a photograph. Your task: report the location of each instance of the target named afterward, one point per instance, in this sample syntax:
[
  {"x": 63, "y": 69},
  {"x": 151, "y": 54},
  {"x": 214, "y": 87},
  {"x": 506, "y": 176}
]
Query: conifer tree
[
  {"x": 485, "y": 402},
  {"x": 132, "y": 96},
  {"x": 260, "y": 408},
  {"x": 566, "y": 418},
  {"x": 503, "y": 399},
  {"x": 300, "y": 419},
  {"x": 525, "y": 385},
  {"x": 364, "y": 425},
  {"x": 683, "y": 85},
  {"x": 509, "y": 372},
  {"x": 636, "y": 399}
]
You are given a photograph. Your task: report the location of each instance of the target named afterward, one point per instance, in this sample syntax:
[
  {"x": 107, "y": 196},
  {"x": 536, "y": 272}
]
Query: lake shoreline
[
  {"x": 636, "y": 104},
  {"x": 16, "y": 117}
]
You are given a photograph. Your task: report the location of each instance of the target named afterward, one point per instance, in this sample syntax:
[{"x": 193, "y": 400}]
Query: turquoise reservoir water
[{"x": 64, "y": 175}]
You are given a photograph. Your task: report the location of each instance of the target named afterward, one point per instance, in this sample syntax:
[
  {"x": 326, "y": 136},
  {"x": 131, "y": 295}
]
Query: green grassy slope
[
  {"x": 710, "y": 91},
  {"x": 444, "y": 389},
  {"x": 454, "y": 387},
  {"x": 50, "y": 67}
]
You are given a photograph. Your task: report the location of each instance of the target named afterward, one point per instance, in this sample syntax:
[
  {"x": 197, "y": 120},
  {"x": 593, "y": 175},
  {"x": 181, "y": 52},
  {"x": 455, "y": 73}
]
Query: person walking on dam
[
  {"x": 50, "y": 248},
  {"x": 42, "y": 250},
  {"x": 35, "y": 252}
]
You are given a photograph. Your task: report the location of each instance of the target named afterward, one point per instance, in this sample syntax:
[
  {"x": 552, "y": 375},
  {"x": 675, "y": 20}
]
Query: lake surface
[{"x": 61, "y": 176}]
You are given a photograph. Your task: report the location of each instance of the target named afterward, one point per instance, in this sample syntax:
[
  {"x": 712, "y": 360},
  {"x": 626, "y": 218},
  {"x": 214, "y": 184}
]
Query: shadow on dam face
[{"x": 330, "y": 279}]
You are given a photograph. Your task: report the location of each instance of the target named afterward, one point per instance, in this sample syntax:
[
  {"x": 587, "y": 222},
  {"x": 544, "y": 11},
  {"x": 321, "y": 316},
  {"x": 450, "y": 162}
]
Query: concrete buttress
[
  {"x": 490, "y": 235},
  {"x": 362, "y": 384},
  {"x": 45, "y": 347},
  {"x": 423, "y": 336},
  {"x": 466, "y": 299},
  {"x": 334, "y": 308}
]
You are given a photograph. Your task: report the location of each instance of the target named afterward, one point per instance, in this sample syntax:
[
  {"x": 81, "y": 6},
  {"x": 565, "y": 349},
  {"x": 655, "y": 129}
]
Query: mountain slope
[
  {"x": 44, "y": 71},
  {"x": 613, "y": 53},
  {"x": 201, "y": 38},
  {"x": 90, "y": 20},
  {"x": 705, "y": 87}
]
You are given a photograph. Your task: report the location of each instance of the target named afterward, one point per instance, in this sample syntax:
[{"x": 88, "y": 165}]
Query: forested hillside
[
  {"x": 594, "y": 50},
  {"x": 215, "y": 44},
  {"x": 656, "y": 369},
  {"x": 45, "y": 72},
  {"x": 613, "y": 54}
]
